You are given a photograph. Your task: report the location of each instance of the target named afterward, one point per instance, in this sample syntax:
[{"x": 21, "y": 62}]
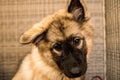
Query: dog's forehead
[{"x": 62, "y": 29}]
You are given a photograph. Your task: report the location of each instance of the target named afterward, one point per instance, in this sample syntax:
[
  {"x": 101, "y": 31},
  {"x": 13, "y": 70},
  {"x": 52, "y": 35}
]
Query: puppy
[{"x": 61, "y": 44}]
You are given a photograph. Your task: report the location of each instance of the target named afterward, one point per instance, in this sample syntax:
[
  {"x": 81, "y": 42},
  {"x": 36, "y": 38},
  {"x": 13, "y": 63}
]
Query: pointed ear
[
  {"x": 76, "y": 8},
  {"x": 33, "y": 35}
]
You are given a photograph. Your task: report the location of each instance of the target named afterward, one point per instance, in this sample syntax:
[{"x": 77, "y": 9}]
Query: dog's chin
[{"x": 73, "y": 75}]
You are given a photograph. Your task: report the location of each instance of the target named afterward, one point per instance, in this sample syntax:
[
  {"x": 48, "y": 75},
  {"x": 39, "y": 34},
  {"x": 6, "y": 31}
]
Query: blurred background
[{"x": 17, "y": 16}]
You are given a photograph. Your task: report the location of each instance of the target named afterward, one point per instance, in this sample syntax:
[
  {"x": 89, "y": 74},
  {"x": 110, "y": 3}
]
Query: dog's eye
[
  {"x": 76, "y": 41},
  {"x": 57, "y": 46}
]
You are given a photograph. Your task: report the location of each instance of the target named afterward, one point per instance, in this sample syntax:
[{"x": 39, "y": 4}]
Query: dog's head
[{"x": 65, "y": 37}]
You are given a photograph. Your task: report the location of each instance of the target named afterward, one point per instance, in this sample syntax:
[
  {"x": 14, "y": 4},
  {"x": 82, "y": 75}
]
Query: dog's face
[
  {"x": 70, "y": 55},
  {"x": 64, "y": 39},
  {"x": 68, "y": 47}
]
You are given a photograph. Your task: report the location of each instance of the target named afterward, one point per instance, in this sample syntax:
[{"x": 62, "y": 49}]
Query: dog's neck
[{"x": 43, "y": 69}]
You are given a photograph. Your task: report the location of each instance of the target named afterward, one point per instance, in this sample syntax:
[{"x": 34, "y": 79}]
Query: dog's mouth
[{"x": 74, "y": 75}]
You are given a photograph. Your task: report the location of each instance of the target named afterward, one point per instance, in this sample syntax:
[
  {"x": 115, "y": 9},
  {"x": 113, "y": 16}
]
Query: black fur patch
[{"x": 72, "y": 62}]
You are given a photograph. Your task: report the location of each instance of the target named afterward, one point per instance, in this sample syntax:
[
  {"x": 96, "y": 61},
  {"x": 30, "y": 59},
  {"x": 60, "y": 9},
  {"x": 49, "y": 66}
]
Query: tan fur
[
  {"x": 34, "y": 67},
  {"x": 39, "y": 65}
]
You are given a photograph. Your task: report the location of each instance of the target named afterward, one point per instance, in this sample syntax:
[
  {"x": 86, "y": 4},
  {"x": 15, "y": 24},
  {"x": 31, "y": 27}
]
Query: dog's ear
[
  {"x": 33, "y": 35},
  {"x": 77, "y": 9},
  {"x": 39, "y": 37}
]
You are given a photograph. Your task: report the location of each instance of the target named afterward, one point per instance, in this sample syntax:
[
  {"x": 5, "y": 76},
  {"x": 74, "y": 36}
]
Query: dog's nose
[{"x": 75, "y": 70}]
